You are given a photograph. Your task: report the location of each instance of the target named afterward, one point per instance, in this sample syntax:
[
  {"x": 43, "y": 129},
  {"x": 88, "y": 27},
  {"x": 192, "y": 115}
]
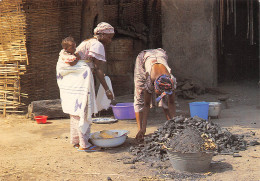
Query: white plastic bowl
[{"x": 110, "y": 142}]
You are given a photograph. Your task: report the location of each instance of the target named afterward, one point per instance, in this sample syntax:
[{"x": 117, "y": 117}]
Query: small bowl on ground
[
  {"x": 103, "y": 120},
  {"x": 110, "y": 142},
  {"x": 41, "y": 119}
]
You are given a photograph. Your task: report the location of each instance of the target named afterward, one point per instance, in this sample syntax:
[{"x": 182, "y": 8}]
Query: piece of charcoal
[
  {"x": 197, "y": 124},
  {"x": 253, "y": 143},
  {"x": 253, "y": 133},
  {"x": 151, "y": 164},
  {"x": 227, "y": 153},
  {"x": 131, "y": 148},
  {"x": 151, "y": 149},
  {"x": 129, "y": 162},
  {"x": 179, "y": 120},
  {"x": 237, "y": 155},
  {"x": 139, "y": 158},
  {"x": 132, "y": 167}
]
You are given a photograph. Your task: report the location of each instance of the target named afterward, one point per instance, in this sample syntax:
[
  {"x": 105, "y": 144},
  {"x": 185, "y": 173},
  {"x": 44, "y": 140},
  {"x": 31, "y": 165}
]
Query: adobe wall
[
  {"x": 92, "y": 14},
  {"x": 189, "y": 37}
]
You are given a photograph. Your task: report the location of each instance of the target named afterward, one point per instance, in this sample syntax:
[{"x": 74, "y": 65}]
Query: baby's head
[{"x": 69, "y": 45}]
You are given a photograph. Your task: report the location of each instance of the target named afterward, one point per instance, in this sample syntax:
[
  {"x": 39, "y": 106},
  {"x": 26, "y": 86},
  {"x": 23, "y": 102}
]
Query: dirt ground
[{"x": 31, "y": 151}]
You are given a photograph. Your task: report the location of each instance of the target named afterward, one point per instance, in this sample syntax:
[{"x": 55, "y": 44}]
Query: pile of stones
[
  {"x": 152, "y": 148},
  {"x": 189, "y": 89}
]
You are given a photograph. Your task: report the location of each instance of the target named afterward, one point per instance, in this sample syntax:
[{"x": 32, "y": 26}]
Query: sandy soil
[{"x": 30, "y": 151}]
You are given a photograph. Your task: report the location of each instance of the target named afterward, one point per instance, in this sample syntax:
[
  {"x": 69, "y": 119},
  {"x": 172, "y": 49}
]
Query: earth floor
[{"x": 31, "y": 151}]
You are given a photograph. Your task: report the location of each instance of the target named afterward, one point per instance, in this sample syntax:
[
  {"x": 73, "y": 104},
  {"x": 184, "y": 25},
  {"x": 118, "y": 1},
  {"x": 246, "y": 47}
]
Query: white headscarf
[{"x": 104, "y": 27}]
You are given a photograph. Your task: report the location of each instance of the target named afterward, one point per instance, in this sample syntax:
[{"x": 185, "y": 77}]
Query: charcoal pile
[
  {"x": 151, "y": 149},
  {"x": 188, "y": 141}
]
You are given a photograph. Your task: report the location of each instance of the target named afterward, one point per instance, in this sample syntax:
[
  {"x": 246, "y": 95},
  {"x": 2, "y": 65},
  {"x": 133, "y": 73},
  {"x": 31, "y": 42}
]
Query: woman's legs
[
  {"x": 83, "y": 138},
  {"x": 76, "y": 136},
  {"x": 139, "y": 118}
]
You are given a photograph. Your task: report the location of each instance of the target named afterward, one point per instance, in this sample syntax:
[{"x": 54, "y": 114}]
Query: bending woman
[{"x": 152, "y": 74}]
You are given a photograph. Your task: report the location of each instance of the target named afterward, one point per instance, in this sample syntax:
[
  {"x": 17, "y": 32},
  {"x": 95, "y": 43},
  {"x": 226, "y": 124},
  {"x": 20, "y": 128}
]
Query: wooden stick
[{"x": 235, "y": 17}]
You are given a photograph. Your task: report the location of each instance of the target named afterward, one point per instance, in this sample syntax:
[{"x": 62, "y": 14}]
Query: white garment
[
  {"x": 91, "y": 48},
  {"x": 66, "y": 57},
  {"x": 77, "y": 92},
  {"x": 102, "y": 101}
]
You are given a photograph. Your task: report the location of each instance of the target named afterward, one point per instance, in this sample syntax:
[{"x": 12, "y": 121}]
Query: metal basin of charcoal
[{"x": 190, "y": 162}]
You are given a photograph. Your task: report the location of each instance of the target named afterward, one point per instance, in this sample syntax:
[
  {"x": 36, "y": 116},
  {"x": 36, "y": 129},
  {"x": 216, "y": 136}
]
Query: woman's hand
[
  {"x": 100, "y": 74},
  {"x": 140, "y": 135},
  {"x": 77, "y": 56},
  {"x": 109, "y": 95}
]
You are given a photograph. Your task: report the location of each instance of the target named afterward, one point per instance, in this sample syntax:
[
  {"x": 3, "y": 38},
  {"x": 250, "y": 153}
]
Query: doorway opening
[{"x": 238, "y": 40}]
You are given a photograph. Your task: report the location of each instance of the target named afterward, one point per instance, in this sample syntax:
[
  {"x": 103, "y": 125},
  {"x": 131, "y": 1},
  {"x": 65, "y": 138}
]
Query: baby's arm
[{"x": 75, "y": 61}]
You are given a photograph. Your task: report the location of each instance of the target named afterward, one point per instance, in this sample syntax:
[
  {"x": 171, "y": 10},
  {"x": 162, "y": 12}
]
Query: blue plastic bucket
[
  {"x": 124, "y": 111},
  {"x": 200, "y": 109}
]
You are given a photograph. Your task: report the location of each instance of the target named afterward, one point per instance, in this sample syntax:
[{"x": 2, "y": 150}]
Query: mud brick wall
[
  {"x": 48, "y": 23},
  {"x": 120, "y": 66},
  {"x": 137, "y": 25},
  {"x": 134, "y": 16},
  {"x": 189, "y": 37}
]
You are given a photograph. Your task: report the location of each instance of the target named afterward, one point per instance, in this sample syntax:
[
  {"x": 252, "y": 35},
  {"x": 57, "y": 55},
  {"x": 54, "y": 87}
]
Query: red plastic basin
[{"x": 41, "y": 119}]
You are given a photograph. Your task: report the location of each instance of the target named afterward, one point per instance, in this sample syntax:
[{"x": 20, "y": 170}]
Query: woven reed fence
[
  {"x": 13, "y": 54},
  {"x": 30, "y": 36}
]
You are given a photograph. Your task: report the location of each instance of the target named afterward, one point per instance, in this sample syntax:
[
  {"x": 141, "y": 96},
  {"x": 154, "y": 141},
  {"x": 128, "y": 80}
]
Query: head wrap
[
  {"x": 104, "y": 28},
  {"x": 164, "y": 84}
]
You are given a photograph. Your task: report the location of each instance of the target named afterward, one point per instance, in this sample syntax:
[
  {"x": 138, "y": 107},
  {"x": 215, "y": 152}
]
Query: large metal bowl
[
  {"x": 110, "y": 142},
  {"x": 190, "y": 162}
]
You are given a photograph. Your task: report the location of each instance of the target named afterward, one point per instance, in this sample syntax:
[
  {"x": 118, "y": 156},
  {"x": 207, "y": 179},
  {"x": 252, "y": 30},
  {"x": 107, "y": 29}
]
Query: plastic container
[
  {"x": 41, "y": 119},
  {"x": 214, "y": 109},
  {"x": 124, "y": 110},
  {"x": 190, "y": 162},
  {"x": 200, "y": 109},
  {"x": 111, "y": 142}
]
